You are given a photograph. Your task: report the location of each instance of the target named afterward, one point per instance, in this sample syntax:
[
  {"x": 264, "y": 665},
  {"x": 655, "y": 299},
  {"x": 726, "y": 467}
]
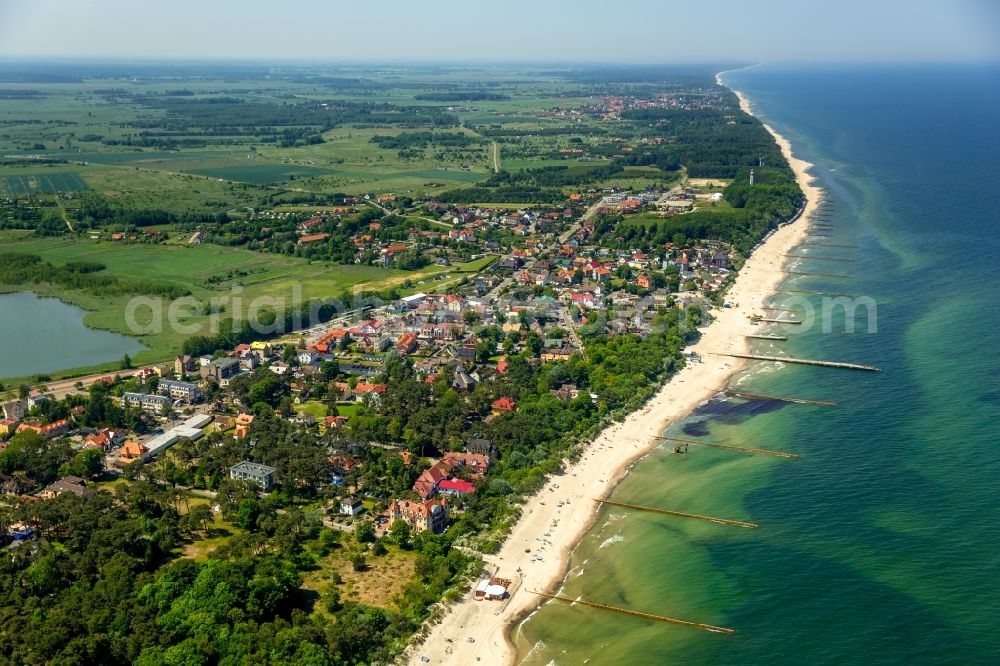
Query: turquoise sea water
[{"x": 881, "y": 545}]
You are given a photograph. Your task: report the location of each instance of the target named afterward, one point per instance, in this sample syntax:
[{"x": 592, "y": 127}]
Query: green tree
[
  {"x": 364, "y": 531},
  {"x": 248, "y": 513},
  {"x": 358, "y": 562},
  {"x": 329, "y": 369},
  {"x": 400, "y": 533}
]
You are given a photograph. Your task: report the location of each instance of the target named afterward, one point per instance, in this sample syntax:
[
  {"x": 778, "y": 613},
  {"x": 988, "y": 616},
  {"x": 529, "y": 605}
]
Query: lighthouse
[{"x": 751, "y": 176}]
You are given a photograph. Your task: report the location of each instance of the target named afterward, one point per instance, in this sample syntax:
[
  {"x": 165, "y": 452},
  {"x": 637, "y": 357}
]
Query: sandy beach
[{"x": 606, "y": 460}]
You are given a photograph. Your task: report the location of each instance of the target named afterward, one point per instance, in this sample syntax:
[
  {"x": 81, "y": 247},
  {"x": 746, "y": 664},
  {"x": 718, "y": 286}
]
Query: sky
[{"x": 505, "y": 30}]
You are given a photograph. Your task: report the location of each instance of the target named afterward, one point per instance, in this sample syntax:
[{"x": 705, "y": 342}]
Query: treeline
[
  {"x": 496, "y": 131},
  {"x": 459, "y": 96},
  {"x": 223, "y": 116},
  {"x": 502, "y": 194},
  {"x": 530, "y": 185},
  {"x": 423, "y": 139},
  {"x": 22, "y": 269},
  {"x": 553, "y": 176},
  {"x": 95, "y": 209}
]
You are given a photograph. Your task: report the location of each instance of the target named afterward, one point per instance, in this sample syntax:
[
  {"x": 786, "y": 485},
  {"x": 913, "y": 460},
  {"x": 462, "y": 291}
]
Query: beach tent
[{"x": 496, "y": 592}]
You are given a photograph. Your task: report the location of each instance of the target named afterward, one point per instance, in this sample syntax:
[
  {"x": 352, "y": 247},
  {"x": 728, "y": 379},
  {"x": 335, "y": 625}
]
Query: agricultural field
[
  {"x": 294, "y": 124},
  {"x": 41, "y": 182}
]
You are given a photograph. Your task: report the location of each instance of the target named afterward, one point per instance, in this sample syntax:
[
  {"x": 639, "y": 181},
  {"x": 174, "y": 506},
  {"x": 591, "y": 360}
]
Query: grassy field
[
  {"x": 260, "y": 174},
  {"x": 384, "y": 578},
  {"x": 313, "y": 407}
]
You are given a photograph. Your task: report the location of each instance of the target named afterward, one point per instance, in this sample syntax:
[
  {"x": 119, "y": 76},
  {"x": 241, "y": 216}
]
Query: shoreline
[{"x": 605, "y": 462}]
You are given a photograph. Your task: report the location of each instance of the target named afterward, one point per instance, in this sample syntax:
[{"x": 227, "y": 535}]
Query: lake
[{"x": 39, "y": 335}]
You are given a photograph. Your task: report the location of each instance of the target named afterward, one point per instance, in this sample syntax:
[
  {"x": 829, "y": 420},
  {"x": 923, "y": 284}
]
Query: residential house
[
  {"x": 426, "y": 483},
  {"x": 13, "y": 486},
  {"x": 279, "y": 367},
  {"x": 185, "y": 364},
  {"x": 313, "y": 238},
  {"x": 151, "y": 404},
  {"x": 102, "y": 440},
  {"x": 243, "y": 422},
  {"x": 362, "y": 389},
  {"x": 456, "y": 487},
  {"x": 221, "y": 369},
  {"x": 482, "y": 447},
  {"x": 14, "y": 409},
  {"x": 177, "y": 390},
  {"x": 503, "y": 405},
  {"x": 407, "y": 344},
  {"x": 429, "y": 515},
  {"x": 476, "y": 463},
  {"x": 131, "y": 451},
  {"x": 68, "y": 484},
  {"x": 251, "y": 471},
  {"x": 262, "y": 348},
  {"x": 8, "y": 426},
  {"x": 37, "y": 400},
  {"x": 462, "y": 381},
  {"x": 250, "y": 360},
  {"x": 351, "y": 506},
  {"x": 48, "y": 430},
  {"x": 566, "y": 392}
]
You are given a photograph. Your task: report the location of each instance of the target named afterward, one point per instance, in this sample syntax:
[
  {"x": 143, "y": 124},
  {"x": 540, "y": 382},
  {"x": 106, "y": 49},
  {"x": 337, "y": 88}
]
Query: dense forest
[{"x": 708, "y": 143}]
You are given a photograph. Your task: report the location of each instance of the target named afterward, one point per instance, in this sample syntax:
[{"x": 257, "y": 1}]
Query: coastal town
[
  {"x": 541, "y": 293},
  {"x": 455, "y": 334},
  {"x": 439, "y": 432}
]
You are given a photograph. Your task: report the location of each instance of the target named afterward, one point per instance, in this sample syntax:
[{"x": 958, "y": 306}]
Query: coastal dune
[{"x": 480, "y": 631}]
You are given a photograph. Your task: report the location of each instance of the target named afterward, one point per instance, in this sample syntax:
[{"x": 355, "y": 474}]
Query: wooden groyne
[
  {"x": 815, "y": 274},
  {"x": 680, "y": 514},
  {"x": 816, "y": 293},
  {"x": 728, "y": 447},
  {"x": 817, "y": 256},
  {"x": 646, "y": 616},
  {"x": 781, "y": 398},
  {"x": 758, "y": 336},
  {"x": 849, "y": 247},
  {"x": 812, "y": 235},
  {"x": 793, "y": 322},
  {"x": 803, "y": 361}
]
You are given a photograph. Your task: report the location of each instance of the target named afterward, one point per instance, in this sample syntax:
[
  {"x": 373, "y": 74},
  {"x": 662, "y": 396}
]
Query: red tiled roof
[
  {"x": 457, "y": 485},
  {"x": 504, "y": 404}
]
